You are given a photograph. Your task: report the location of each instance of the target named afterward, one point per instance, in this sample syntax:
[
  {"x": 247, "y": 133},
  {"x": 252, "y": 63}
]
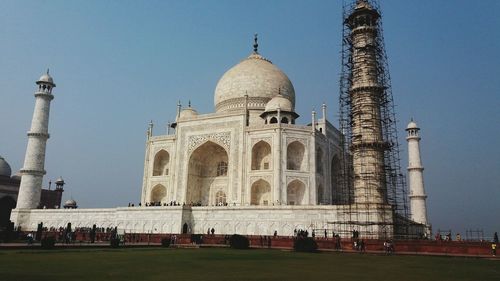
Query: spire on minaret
[
  {"x": 255, "y": 44},
  {"x": 362, "y": 4},
  {"x": 150, "y": 129}
]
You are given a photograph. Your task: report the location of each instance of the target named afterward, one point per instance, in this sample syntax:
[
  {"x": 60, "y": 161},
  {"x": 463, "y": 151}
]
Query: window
[
  {"x": 266, "y": 166},
  {"x": 222, "y": 169},
  {"x": 220, "y": 198}
]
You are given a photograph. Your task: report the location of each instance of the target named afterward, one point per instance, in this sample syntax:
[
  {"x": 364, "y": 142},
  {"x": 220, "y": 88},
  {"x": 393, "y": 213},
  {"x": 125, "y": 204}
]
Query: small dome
[
  {"x": 187, "y": 113},
  {"x": 412, "y": 125},
  {"x": 256, "y": 77},
  {"x": 59, "y": 181},
  {"x": 279, "y": 101},
  {"x": 46, "y": 78},
  {"x": 70, "y": 204},
  {"x": 5, "y": 170}
]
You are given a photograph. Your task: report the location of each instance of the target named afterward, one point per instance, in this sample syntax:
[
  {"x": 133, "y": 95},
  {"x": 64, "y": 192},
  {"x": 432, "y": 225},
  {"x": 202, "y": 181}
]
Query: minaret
[
  {"x": 415, "y": 175},
  {"x": 367, "y": 145},
  {"x": 34, "y": 162}
]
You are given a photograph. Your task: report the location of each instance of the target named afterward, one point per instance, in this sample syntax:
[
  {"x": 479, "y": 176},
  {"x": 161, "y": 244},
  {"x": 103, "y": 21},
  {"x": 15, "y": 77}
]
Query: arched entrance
[
  {"x": 208, "y": 167},
  {"x": 158, "y": 193},
  {"x": 295, "y": 192},
  {"x": 335, "y": 173},
  {"x": 295, "y": 154},
  {"x": 261, "y": 156},
  {"x": 261, "y": 193},
  {"x": 160, "y": 165}
]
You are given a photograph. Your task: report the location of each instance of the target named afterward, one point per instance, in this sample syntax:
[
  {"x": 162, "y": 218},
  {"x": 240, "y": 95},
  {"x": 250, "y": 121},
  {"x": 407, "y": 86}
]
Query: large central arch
[{"x": 208, "y": 165}]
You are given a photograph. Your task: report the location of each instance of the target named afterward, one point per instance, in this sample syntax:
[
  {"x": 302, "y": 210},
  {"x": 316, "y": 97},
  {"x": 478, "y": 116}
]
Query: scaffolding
[{"x": 374, "y": 196}]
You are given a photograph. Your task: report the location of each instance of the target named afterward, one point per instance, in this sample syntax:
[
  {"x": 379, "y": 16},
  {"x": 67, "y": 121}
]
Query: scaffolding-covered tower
[{"x": 372, "y": 180}]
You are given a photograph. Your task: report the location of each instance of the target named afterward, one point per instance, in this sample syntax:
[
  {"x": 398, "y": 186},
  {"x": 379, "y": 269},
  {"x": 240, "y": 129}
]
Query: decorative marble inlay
[
  {"x": 256, "y": 140},
  {"x": 222, "y": 138}
]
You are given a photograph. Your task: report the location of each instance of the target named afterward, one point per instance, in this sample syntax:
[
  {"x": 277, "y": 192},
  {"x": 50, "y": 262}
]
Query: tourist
[
  {"x": 275, "y": 233},
  {"x": 326, "y": 234},
  {"x": 30, "y": 238},
  {"x": 495, "y": 238},
  {"x": 338, "y": 245},
  {"x": 213, "y": 231},
  {"x": 459, "y": 238},
  {"x": 494, "y": 248}
]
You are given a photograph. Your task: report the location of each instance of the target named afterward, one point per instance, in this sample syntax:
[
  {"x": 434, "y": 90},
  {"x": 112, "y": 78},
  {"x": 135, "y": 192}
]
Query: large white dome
[
  {"x": 256, "y": 77},
  {"x": 4, "y": 168}
]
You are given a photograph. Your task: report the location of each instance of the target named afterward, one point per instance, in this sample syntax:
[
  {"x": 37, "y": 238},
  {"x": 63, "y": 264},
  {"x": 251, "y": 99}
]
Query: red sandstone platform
[{"x": 402, "y": 247}]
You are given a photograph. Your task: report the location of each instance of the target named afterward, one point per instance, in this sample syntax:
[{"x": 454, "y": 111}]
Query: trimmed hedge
[
  {"x": 165, "y": 242},
  {"x": 305, "y": 244},
  {"x": 48, "y": 242},
  {"x": 239, "y": 242},
  {"x": 114, "y": 242}
]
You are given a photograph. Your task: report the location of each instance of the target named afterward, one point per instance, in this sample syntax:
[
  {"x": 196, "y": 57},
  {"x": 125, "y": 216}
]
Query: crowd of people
[{"x": 174, "y": 203}]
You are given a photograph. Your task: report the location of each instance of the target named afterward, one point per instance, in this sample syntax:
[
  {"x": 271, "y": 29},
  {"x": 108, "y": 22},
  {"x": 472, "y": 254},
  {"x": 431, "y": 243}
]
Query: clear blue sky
[{"x": 119, "y": 64}]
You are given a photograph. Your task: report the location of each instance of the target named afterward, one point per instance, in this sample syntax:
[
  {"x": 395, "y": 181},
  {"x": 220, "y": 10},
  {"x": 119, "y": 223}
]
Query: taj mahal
[{"x": 254, "y": 166}]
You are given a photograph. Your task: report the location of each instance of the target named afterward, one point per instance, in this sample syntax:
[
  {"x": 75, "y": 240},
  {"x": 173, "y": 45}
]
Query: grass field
[{"x": 227, "y": 264}]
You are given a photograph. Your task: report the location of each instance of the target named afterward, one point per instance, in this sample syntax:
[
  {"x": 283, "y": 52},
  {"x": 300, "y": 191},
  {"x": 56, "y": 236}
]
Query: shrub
[
  {"x": 48, "y": 242},
  {"x": 165, "y": 242},
  {"x": 197, "y": 238},
  {"x": 114, "y": 242},
  {"x": 305, "y": 244},
  {"x": 239, "y": 242}
]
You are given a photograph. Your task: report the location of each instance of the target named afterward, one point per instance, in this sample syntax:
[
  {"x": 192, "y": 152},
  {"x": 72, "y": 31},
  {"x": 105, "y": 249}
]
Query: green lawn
[{"x": 227, "y": 264}]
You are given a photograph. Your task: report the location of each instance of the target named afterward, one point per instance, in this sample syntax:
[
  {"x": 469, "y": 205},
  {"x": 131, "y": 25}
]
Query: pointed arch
[
  {"x": 158, "y": 194},
  {"x": 320, "y": 194},
  {"x": 320, "y": 165},
  {"x": 161, "y": 163},
  {"x": 335, "y": 175},
  {"x": 261, "y": 156},
  {"x": 208, "y": 163},
  {"x": 295, "y": 192},
  {"x": 260, "y": 193},
  {"x": 295, "y": 154}
]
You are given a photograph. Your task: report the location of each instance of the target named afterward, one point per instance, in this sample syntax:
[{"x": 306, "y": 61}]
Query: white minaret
[
  {"x": 34, "y": 161},
  {"x": 415, "y": 175}
]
